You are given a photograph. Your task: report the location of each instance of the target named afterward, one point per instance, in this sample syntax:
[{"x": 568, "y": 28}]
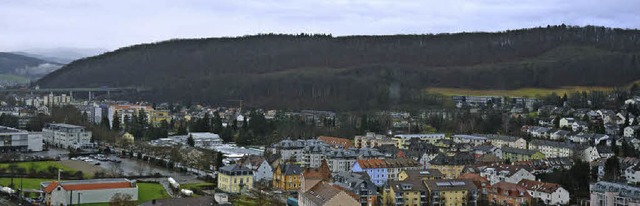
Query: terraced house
[
  {"x": 409, "y": 190},
  {"x": 509, "y": 141},
  {"x": 547, "y": 193},
  {"x": 287, "y": 177},
  {"x": 515, "y": 154},
  {"x": 552, "y": 149}
]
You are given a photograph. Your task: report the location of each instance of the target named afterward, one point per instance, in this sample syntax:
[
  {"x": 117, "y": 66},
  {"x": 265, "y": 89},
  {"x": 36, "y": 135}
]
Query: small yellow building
[
  {"x": 287, "y": 177},
  {"x": 451, "y": 192},
  {"x": 157, "y": 116},
  {"x": 235, "y": 178}
]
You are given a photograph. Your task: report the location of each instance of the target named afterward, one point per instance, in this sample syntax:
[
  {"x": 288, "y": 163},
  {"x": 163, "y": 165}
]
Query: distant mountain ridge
[
  {"x": 62, "y": 55},
  {"x": 360, "y": 72},
  {"x": 16, "y": 68}
]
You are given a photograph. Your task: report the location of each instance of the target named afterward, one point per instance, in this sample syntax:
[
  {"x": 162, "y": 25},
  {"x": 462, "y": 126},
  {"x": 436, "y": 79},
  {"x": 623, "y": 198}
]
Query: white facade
[
  {"x": 67, "y": 136},
  {"x": 15, "y": 140},
  {"x": 205, "y": 139},
  {"x": 264, "y": 172},
  {"x": 590, "y": 154},
  {"x": 566, "y": 122},
  {"x": 73, "y": 191},
  {"x": 632, "y": 175},
  {"x": 495, "y": 175}
]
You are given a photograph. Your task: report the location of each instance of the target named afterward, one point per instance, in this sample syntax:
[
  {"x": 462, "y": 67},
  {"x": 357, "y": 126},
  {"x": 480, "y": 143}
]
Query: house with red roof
[
  {"x": 87, "y": 191},
  {"x": 548, "y": 193},
  {"x": 506, "y": 193}
]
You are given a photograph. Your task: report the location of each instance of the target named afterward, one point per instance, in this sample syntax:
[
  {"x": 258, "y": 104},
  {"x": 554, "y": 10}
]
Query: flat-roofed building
[
  {"x": 67, "y": 136},
  {"x": 15, "y": 140}
]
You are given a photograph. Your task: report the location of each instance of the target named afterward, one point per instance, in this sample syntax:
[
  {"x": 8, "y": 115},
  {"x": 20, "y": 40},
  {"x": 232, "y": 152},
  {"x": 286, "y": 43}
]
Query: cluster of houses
[{"x": 415, "y": 169}]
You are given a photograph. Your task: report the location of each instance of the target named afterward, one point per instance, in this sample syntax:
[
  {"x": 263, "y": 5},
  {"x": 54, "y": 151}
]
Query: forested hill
[{"x": 360, "y": 72}]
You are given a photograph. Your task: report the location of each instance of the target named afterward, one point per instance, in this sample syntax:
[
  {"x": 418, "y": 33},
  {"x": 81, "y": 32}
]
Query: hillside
[
  {"x": 360, "y": 72},
  {"x": 16, "y": 68}
]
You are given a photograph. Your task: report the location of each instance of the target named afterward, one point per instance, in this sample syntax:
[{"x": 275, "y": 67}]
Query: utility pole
[{"x": 59, "y": 170}]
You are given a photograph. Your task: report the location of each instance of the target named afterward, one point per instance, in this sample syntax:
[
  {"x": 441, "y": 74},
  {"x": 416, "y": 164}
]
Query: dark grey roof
[
  {"x": 291, "y": 169},
  {"x": 623, "y": 189},
  {"x": 235, "y": 168},
  {"x": 551, "y": 143},
  {"x": 461, "y": 158},
  {"x": 517, "y": 151}
]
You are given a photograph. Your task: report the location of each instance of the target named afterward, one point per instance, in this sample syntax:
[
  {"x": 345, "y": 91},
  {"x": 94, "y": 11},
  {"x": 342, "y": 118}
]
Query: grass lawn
[
  {"x": 191, "y": 186},
  {"x": 151, "y": 191},
  {"x": 39, "y": 166},
  {"x": 244, "y": 201},
  {"x": 27, "y": 183},
  {"x": 524, "y": 92}
]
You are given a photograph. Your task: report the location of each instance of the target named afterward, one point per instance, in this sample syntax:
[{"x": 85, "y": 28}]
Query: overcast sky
[{"x": 111, "y": 24}]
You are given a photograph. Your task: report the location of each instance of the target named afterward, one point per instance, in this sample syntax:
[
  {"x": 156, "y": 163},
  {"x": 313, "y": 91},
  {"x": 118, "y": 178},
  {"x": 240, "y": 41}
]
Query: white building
[
  {"x": 632, "y": 174},
  {"x": 469, "y": 139},
  {"x": 262, "y": 171},
  {"x": 566, "y": 122},
  {"x": 67, "y": 136},
  {"x": 87, "y": 191},
  {"x": 15, "y": 140},
  {"x": 549, "y": 193},
  {"x": 52, "y": 100},
  {"x": 609, "y": 193},
  {"x": 631, "y": 131},
  {"x": 205, "y": 139},
  {"x": 506, "y": 173},
  {"x": 552, "y": 149}
]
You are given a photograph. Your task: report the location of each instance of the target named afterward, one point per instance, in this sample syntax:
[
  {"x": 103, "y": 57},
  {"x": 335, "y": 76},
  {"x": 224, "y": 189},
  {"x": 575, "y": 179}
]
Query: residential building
[
  {"x": 313, "y": 155},
  {"x": 566, "y": 122},
  {"x": 372, "y": 140},
  {"x": 481, "y": 150},
  {"x": 506, "y": 193},
  {"x": 262, "y": 170},
  {"x": 312, "y": 176},
  {"x": 515, "y": 154},
  {"x": 402, "y": 139},
  {"x": 451, "y": 192},
  {"x": 474, "y": 140},
  {"x": 410, "y": 190},
  {"x": 631, "y": 131},
  {"x": 67, "y": 136},
  {"x": 610, "y": 194},
  {"x": 451, "y": 166},
  {"x": 590, "y": 138},
  {"x": 509, "y": 141},
  {"x": 382, "y": 170},
  {"x": 560, "y": 134},
  {"x": 632, "y": 174},
  {"x": 548, "y": 193},
  {"x": 358, "y": 183},
  {"x": 482, "y": 184},
  {"x": 580, "y": 126},
  {"x": 157, "y": 117},
  {"x": 552, "y": 149},
  {"x": 87, "y": 191},
  {"x": 15, "y": 140},
  {"x": 341, "y": 160},
  {"x": 292, "y": 149},
  {"x": 286, "y": 177},
  {"x": 235, "y": 178},
  {"x": 506, "y": 173},
  {"x": 53, "y": 100},
  {"x": 326, "y": 194}
]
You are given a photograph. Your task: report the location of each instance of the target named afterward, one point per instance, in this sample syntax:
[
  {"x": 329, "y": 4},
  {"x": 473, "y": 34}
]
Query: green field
[
  {"x": 151, "y": 191},
  {"x": 146, "y": 191},
  {"x": 191, "y": 186},
  {"x": 27, "y": 183},
  {"x": 39, "y": 166},
  {"x": 524, "y": 92}
]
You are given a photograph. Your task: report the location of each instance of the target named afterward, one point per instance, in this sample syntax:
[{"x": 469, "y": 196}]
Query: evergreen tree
[
  {"x": 115, "y": 125},
  {"x": 190, "y": 141},
  {"x": 612, "y": 169}
]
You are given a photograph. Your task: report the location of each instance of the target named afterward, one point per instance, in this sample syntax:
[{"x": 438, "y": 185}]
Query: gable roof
[
  {"x": 323, "y": 192},
  {"x": 511, "y": 189},
  {"x": 539, "y": 186},
  {"x": 322, "y": 172}
]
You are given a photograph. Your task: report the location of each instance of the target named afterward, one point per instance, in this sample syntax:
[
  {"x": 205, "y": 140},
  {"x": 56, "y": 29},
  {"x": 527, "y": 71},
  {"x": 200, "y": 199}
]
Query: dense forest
[{"x": 360, "y": 72}]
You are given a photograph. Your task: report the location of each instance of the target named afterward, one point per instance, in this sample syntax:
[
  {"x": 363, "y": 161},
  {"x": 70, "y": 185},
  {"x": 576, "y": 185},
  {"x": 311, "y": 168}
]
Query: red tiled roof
[
  {"x": 322, "y": 172},
  {"x": 88, "y": 186},
  {"x": 336, "y": 141},
  {"x": 539, "y": 186},
  {"x": 512, "y": 189},
  {"x": 51, "y": 186}
]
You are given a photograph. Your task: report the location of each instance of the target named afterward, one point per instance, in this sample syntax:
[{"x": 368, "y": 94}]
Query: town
[{"x": 575, "y": 149}]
